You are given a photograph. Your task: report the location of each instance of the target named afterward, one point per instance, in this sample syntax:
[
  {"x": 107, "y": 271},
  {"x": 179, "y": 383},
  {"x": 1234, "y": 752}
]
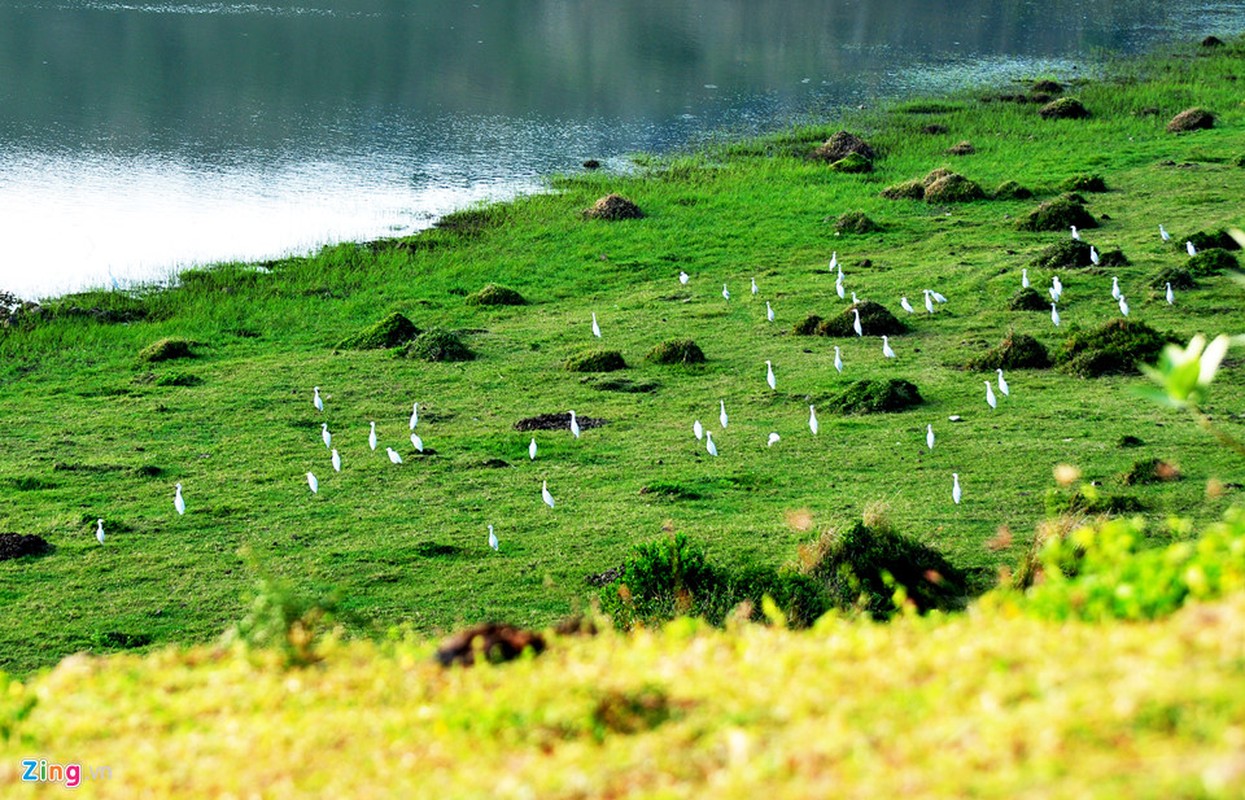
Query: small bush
[
  {"x": 1115, "y": 348},
  {"x": 596, "y": 361},
  {"x": 1016, "y": 351},
  {"x": 1063, "y": 108},
  {"x": 877, "y": 396},
  {"x": 855, "y": 222},
  {"x": 1084, "y": 183},
  {"x": 852, "y": 163},
  {"x": 392, "y": 331},
  {"x": 613, "y": 207},
  {"x": 285, "y": 620},
  {"x": 1058, "y": 214},
  {"x": 676, "y": 351},
  {"x": 1010, "y": 190},
  {"x": 438, "y": 345},
  {"x": 494, "y": 295},
  {"x": 1212, "y": 261},
  {"x": 1028, "y": 299},
  {"x": 1178, "y": 277},
  {"x": 908, "y": 190},
  {"x": 964, "y": 148},
  {"x": 1191, "y": 119},
  {"x": 953, "y": 188},
  {"x": 1150, "y": 470},
  {"x": 1064, "y": 254},
  {"x": 875, "y": 320},
  {"x": 166, "y": 350},
  {"x": 841, "y": 145}
]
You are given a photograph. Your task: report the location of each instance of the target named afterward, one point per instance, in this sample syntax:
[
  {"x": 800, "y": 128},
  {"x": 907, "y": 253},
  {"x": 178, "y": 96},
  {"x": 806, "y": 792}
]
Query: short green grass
[{"x": 89, "y": 432}]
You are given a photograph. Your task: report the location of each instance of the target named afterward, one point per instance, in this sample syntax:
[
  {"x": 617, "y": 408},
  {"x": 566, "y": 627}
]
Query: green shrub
[
  {"x": 285, "y": 620},
  {"x": 166, "y": 350},
  {"x": 1011, "y": 190},
  {"x": 596, "y": 361},
  {"x": 855, "y": 222},
  {"x": 1016, "y": 351},
  {"x": 875, "y": 396},
  {"x": 1084, "y": 183},
  {"x": 1063, "y": 108},
  {"x": 1150, "y": 470},
  {"x": 1115, "y": 348},
  {"x": 392, "y": 331},
  {"x": 875, "y": 320},
  {"x": 676, "y": 351},
  {"x": 1211, "y": 262},
  {"x": 438, "y": 345},
  {"x": 494, "y": 295},
  {"x": 908, "y": 190},
  {"x": 1028, "y": 299},
  {"x": 1058, "y": 214}
]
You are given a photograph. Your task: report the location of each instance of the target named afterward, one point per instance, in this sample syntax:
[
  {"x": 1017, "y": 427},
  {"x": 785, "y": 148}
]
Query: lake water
[{"x": 139, "y": 137}]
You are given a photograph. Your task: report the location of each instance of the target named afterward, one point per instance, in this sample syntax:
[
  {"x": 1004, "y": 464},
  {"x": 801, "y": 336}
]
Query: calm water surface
[{"x": 140, "y": 137}]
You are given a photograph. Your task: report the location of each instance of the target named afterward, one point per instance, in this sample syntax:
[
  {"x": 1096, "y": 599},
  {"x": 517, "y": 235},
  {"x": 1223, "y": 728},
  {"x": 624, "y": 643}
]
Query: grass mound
[
  {"x": 1205, "y": 240},
  {"x": 613, "y": 207},
  {"x": 877, "y": 396},
  {"x": 676, "y": 351},
  {"x": 1178, "y": 276},
  {"x": 595, "y": 361},
  {"x": 953, "y": 188},
  {"x": 1064, "y": 108},
  {"x": 855, "y": 222},
  {"x": 1046, "y": 86},
  {"x": 1211, "y": 261},
  {"x": 438, "y": 345},
  {"x": 494, "y": 295},
  {"x": 1084, "y": 183},
  {"x": 1028, "y": 299},
  {"x": 179, "y": 379},
  {"x": 1191, "y": 119},
  {"x": 1058, "y": 214},
  {"x": 841, "y": 145},
  {"x": 556, "y": 422},
  {"x": 1016, "y": 351},
  {"x": 908, "y": 190},
  {"x": 392, "y": 331},
  {"x": 1150, "y": 470},
  {"x": 852, "y": 163},
  {"x": 1064, "y": 254},
  {"x": 1113, "y": 258},
  {"x": 166, "y": 350},
  {"x": 1114, "y": 349},
  {"x": 809, "y": 326},
  {"x": 875, "y": 320},
  {"x": 17, "y": 545},
  {"x": 1094, "y": 502},
  {"x": 964, "y": 148},
  {"x": 861, "y": 566},
  {"x": 935, "y": 129},
  {"x": 1011, "y": 190}
]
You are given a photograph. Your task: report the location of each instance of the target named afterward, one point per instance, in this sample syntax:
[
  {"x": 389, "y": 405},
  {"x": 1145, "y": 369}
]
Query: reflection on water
[{"x": 141, "y": 136}]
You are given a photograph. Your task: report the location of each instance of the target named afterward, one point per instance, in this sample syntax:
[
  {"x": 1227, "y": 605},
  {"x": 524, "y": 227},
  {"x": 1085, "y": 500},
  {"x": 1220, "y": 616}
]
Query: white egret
[
  {"x": 313, "y": 483},
  {"x": 1093, "y": 256},
  {"x": 722, "y": 415},
  {"x": 394, "y": 458},
  {"x": 856, "y": 323},
  {"x": 726, "y": 293},
  {"x": 855, "y": 299},
  {"x": 1058, "y": 284},
  {"x": 956, "y": 494},
  {"x": 769, "y": 375},
  {"x": 1189, "y": 246},
  {"x": 929, "y": 436},
  {"x": 325, "y": 435},
  {"x": 371, "y": 438},
  {"x": 531, "y": 449},
  {"x": 1163, "y": 233},
  {"x": 544, "y": 493},
  {"x": 596, "y": 329},
  {"x": 905, "y": 305},
  {"x": 178, "y": 502},
  {"x": 1115, "y": 288},
  {"x": 574, "y": 425},
  {"x": 834, "y": 263},
  {"x": 417, "y": 442},
  {"x": 1123, "y": 306},
  {"x": 1003, "y": 387},
  {"x": 684, "y": 277},
  {"x": 838, "y": 359},
  {"x": 886, "y": 347},
  {"x": 769, "y": 311},
  {"x": 316, "y": 401},
  {"x": 1024, "y": 278},
  {"x": 414, "y": 416},
  {"x": 1171, "y": 298},
  {"x": 709, "y": 445},
  {"x": 1076, "y": 234},
  {"x": 812, "y": 420},
  {"x": 937, "y": 297},
  {"x": 337, "y": 461},
  {"x": 991, "y": 400},
  {"x": 773, "y": 437},
  {"x": 838, "y": 288},
  {"x": 929, "y": 302},
  {"x": 699, "y": 430},
  {"x": 754, "y": 286},
  {"x": 492, "y": 538},
  {"x": 99, "y": 531},
  {"x": 1054, "y": 315}
]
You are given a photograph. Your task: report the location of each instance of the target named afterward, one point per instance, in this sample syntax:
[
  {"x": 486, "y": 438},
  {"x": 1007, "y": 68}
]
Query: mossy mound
[
  {"x": 809, "y": 326},
  {"x": 853, "y": 566},
  {"x": 855, "y": 222},
  {"x": 179, "y": 379},
  {"x": 1212, "y": 41},
  {"x": 166, "y": 350},
  {"x": 1204, "y": 240},
  {"x": 438, "y": 345},
  {"x": 595, "y": 361},
  {"x": 1016, "y": 351},
  {"x": 1150, "y": 470},
  {"x": 1046, "y": 86},
  {"x": 935, "y": 129},
  {"x": 964, "y": 148},
  {"x": 557, "y": 422},
  {"x": 1114, "y": 349},
  {"x": 953, "y": 188},
  {"x": 841, "y": 145},
  {"x": 1113, "y": 258},
  {"x": 1010, "y": 190},
  {"x": 1064, "y": 254},
  {"x": 1211, "y": 262},
  {"x": 392, "y": 331},
  {"x": 676, "y": 351},
  {"x": 875, "y": 320},
  {"x": 908, "y": 190},
  {"x": 613, "y": 207},
  {"x": 1028, "y": 299},
  {"x": 1058, "y": 214},
  {"x": 1064, "y": 108},
  {"x": 877, "y": 397},
  {"x": 494, "y": 295},
  {"x": 1080, "y": 503},
  {"x": 1178, "y": 277},
  {"x": 1191, "y": 119},
  {"x": 16, "y": 545},
  {"x": 852, "y": 163},
  {"x": 935, "y": 175},
  {"x": 1084, "y": 183}
]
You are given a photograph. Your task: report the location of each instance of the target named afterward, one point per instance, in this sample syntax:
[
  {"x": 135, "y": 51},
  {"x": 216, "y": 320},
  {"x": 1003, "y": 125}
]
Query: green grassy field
[{"x": 89, "y": 431}]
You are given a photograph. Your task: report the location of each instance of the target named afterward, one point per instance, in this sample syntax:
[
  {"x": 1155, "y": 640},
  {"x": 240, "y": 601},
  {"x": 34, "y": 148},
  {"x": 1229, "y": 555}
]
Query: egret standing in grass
[
  {"x": 956, "y": 494},
  {"x": 1123, "y": 306},
  {"x": 834, "y": 263},
  {"x": 492, "y": 538},
  {"x": 178, "y": 502},
  {"x": 905, "y": 305},
  {"x": 596, "y": 329},
  {"x": 313, "y": 483},
  {"x": 574, "y": 425},
  {"x": 371, "y": 437},
  {"x": 531, "y": 449},
  {"x": 838, "y": 287},
  {"x": 722, "y": 415},
  {"x": 726, "y": 293},
  {"x": 394, "y": 458},
  {"x": 773, "y": 437},
  {"x": 1164, "y": 234},
  {"x": 754, "y": 286},
  {"x": 684, "y": 277},
  {"x": 769, "y": 311},
  {"x": 1024, "y": 278},
  {"x": 337, "y": 461},
  {"x": 699, "y": 430},
  {"x": 886, "y": 347},
  {"x": 812, "y": 420},
  {"x": 1093, "y": 256},
  {"x": 316, "y": 401},
  {"x": 414, "y": 415},
  {"x": 1003, "y": 387},
  {"x": 929, "y": 436},
  {"x": 417, "y": 442},
  {"x": 1054, "y": 314},
  {"x": 1076, "y": 234},
  {"x": 1171, "y": 298},
  {"x": 1190, "y": 248},
  {"x": 325, "y": 435},
  {"x": 929, "y": 302},
  {"x": 1115, "y": 288},
  {"x": 856, "y": 323},
  {"x": 938, "y": 298},
  {"x": 769, "y": 376},
  {"x": 838, "y": 359},
  {"x": 991, "y": 400},
  {"x": 855, "y": 299},
  {"x": 709, "y": 445},
  {"x": 544, "y": 493},
  {"x": 99, "y": 531}
]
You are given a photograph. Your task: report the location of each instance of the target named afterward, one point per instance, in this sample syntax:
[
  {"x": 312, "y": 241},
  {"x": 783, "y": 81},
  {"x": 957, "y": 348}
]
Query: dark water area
[{"x": 140, "y": 137}]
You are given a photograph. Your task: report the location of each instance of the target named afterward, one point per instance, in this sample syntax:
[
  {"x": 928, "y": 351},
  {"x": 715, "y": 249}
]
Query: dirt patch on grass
[
  {"x": 1191, "y": 119},
  {"x": 557, "y": 422},
  {"x": 17, "y": 545},
  {"x": 595, "y": 361}
]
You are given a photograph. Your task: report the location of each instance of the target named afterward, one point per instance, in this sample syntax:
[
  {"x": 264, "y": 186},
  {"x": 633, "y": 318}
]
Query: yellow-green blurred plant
[{"x": 284, "y": 620}]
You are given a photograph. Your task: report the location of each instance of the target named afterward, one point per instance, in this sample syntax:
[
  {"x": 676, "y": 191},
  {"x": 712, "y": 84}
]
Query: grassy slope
[{"x": 241, "y": 442}]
